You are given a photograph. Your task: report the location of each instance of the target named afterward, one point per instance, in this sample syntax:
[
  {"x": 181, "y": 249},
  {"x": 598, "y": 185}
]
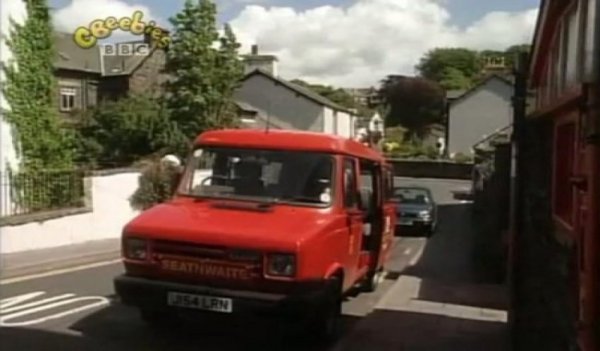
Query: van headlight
[
  {"x": 425, "y": 215},
  {"x": 281, "y": 265},
  {"x": 135, "y": 249}
]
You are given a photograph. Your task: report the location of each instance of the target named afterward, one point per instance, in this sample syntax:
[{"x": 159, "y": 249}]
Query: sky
[{"x": 350, "y": 43}]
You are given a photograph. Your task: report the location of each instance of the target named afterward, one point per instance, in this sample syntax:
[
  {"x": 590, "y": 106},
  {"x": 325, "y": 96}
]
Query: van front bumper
[{"x": 151, "y": 294}]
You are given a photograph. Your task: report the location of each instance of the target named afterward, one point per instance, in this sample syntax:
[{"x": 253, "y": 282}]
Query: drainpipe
[
  {"x": 447, "y": 129},
  {"x": 516, "y": 196}
]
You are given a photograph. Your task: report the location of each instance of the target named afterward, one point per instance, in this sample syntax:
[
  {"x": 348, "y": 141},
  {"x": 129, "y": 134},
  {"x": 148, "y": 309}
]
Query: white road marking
[
  {"x": 34, "y": 304},
  {"x": 57, "y": 272},
  {"x": 417, "y": 256},
  {"x": 34, "y": 307},
  {"x": 19, "y": 299}
]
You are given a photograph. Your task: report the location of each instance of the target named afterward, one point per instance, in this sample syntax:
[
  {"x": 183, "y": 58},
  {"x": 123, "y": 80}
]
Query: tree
[
  {"x": 460, "y": 68},
  {"x": 204, "y": 75},
  {"x": 31, "y": 92},
  {"x": 434, "y": 64},
  {"x": 229, "y": 73},
  {"x": 454, "y": 79},
  {"x": 413, "y": 102},
  {"x": 120, "y": 132}
]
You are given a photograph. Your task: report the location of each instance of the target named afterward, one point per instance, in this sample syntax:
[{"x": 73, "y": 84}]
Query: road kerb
[{"x": 48, "y": 268}]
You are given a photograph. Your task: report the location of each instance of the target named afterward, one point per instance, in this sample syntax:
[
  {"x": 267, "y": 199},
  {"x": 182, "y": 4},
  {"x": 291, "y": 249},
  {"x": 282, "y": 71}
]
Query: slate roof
[
  {"x": 454, "y": 94},
  {"x": 69, "y": 56},
  {"x": 481, "y": 83},
  {"x": 307, "y": 93}
]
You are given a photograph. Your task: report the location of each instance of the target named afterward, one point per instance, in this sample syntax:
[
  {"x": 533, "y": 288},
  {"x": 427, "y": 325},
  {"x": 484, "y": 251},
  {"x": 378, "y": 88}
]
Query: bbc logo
[{"x": 125, "y": 49}]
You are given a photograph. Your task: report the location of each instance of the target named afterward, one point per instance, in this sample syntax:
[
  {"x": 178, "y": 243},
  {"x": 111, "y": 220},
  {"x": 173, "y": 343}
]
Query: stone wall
[
  {"x": 149, "y": 77},
  {"x": 543, "y": 255},
  {"x": 491, "y": 210},
  {"x": 106, "y": 211}
]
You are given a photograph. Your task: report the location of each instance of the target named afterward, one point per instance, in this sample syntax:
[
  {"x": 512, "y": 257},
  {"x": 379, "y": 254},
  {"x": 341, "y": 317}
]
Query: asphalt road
[{"x": 77, "y": 310}]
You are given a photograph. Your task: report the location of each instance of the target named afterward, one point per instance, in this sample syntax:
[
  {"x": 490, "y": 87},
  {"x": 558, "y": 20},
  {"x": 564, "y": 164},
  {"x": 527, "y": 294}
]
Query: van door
[
  {"x": 389, "y": 215},
  {"x": 354, "y": 218}
]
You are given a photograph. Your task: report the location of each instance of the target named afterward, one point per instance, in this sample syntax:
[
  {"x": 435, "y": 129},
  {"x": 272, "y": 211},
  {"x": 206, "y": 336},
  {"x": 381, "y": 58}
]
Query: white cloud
[
  {"x": 352, "y": 46},
  {"x": 361, "y": 44},
  {"x": 82, "y": 12}
]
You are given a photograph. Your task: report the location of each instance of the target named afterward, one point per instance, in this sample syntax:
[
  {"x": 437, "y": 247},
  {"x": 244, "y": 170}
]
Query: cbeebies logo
[{"x": 87, "y": 37}]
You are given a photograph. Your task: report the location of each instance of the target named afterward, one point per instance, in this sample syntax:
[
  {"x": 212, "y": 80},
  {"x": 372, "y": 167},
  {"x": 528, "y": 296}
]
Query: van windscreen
[{"x": 264, "y": 175}]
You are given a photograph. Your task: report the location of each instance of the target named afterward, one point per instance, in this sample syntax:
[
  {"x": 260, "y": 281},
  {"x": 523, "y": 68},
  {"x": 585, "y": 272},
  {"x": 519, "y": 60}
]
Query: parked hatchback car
[{"x": 416, "y": 209}]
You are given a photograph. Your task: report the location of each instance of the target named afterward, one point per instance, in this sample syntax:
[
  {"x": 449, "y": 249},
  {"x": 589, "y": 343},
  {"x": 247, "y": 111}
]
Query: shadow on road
[
  {"x": 119, "y": 328},
  {"x": 392, "y": 330},
  {"x": 449, "y": 261},
  {"x": 439, "y": 316}
]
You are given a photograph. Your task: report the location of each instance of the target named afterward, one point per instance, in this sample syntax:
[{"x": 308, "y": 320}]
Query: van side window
[
  {"x": 350, "y": 191},
  {"x": 388, "y": 183}
]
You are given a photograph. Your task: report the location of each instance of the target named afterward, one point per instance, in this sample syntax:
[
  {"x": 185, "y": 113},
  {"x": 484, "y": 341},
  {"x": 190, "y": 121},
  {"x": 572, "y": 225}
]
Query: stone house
[
  {"x": 478, "y": 112},
  {"x": 86, "y": 76},
  {"x": 556, "y": 260},
  {"x": 264, "y": 98}
]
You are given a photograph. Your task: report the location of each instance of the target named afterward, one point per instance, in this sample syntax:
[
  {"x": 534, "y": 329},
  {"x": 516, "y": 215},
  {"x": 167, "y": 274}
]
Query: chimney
[{"x": 255, "y": 61}]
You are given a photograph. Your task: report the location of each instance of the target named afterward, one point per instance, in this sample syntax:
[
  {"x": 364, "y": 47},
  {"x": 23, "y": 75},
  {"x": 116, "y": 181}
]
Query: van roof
[{"x": 288, "y": 140}]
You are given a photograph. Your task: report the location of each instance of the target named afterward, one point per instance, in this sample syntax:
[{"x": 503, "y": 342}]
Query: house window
[
  {"x": 558, "y": 73},
  {"x": 248, "y": 117},
  {"x": 564, "y": 159},
  {"x": 67, "y": 99},
  {"x": 571, "y": 47}
]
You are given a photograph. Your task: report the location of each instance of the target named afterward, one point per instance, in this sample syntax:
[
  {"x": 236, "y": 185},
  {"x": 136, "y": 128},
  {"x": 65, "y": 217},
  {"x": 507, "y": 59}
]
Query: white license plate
[
  {"x": 200, "y": 302},
  {"x": 406, "y": 222}
]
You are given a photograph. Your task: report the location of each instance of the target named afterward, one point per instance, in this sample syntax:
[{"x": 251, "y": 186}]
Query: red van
[{"x": 263, "y": 221}]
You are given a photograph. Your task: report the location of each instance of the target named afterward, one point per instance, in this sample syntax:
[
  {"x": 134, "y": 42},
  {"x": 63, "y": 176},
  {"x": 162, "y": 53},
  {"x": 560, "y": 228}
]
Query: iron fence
[{"x": 32, "y": 192}]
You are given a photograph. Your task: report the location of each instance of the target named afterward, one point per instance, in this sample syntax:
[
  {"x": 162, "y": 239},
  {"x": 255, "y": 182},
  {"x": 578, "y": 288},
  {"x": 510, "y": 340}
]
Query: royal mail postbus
[{"x": 263, "y": 221}]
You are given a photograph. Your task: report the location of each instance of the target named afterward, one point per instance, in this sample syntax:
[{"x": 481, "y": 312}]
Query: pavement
[
  {"x": 441, "y": 303},
  {"x": 36, "y": 262},
  {"x": 430, "y": 300}
]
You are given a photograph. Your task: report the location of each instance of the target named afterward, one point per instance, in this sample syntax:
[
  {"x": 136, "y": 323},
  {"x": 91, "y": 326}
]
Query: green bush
[
  {"x": 156, "y": 184},
  {"x": 118, "y": 133},
  {"x": 411, "y": 150},
  {"x": 462, "y": 158}
]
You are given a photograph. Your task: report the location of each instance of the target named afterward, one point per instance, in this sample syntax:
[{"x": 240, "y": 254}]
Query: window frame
[
  {"x": 345, "y": 196},
  {"x": 69, "y": 93},
  {"x": 562, "y": 171},
  {"x": 193, "y": 163}
]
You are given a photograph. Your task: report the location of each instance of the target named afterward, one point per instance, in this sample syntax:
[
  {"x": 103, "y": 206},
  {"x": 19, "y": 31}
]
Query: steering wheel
[{"x": 203, "y": 182}]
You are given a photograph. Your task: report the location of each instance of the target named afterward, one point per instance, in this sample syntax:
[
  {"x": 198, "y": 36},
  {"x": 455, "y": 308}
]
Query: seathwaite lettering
[{"x": 205, "y": 269}]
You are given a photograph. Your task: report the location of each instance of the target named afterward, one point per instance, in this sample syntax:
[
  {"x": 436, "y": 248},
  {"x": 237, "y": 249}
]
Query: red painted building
[{"x": 564, "y": 70}]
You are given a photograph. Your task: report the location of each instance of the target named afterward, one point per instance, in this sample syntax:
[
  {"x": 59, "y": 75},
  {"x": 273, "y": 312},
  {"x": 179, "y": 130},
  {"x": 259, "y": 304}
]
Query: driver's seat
[{"x": 249, "y": 181}]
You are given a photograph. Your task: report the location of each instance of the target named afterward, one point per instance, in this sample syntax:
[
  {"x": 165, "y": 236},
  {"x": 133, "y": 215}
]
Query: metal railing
[{"x": 30, "y": 192}]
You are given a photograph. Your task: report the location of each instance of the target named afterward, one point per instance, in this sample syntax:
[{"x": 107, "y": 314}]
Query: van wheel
[
  {"x": 326, "y": 322},
  {"x": 372, "y": 281}
]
